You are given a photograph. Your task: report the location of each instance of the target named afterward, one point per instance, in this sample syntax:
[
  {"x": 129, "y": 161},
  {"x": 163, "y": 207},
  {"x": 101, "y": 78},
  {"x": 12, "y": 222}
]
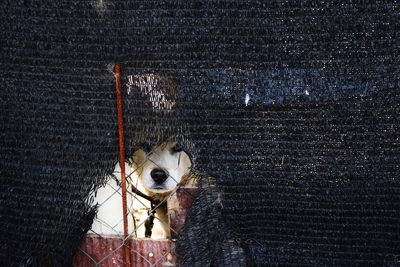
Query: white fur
[{"x": 109, "y": 219}]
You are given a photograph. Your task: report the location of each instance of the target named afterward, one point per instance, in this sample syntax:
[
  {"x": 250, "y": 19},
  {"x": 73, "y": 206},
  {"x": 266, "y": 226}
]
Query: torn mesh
[{"x": 292, "y": 107}]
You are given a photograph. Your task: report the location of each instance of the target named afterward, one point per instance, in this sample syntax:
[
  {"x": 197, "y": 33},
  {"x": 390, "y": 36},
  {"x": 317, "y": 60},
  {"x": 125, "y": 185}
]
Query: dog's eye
[{"x": 176, "y": 148}]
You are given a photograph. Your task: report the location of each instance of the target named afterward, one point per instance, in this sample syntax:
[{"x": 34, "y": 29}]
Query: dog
[
  {"x": 160, "y": 171},
  {"x": 157, "y": 172}
]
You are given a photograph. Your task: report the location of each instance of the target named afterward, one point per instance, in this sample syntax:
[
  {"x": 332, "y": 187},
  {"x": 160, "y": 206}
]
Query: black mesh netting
[{"x": 292, "y": 107}]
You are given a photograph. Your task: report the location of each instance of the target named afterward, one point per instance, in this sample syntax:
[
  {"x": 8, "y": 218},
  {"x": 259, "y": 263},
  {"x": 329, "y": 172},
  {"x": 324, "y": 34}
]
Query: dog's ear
[
  {"x": 138, "y": 158},
  {"x": 176, "y": 148}
]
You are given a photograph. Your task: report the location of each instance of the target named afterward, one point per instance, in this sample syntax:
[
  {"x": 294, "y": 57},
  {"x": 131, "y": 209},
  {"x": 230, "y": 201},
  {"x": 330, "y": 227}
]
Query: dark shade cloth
[{"x": 289, "y": 109}]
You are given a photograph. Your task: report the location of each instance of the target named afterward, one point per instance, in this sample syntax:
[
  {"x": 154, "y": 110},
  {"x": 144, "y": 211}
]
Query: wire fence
[{"x": 154, "y": 219}]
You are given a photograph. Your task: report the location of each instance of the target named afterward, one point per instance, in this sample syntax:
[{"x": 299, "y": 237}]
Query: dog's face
[{"x": 161, "y": 169}]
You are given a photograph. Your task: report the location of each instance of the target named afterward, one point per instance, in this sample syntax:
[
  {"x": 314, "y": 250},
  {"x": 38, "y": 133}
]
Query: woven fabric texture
[{"x": 291, "y": 107}]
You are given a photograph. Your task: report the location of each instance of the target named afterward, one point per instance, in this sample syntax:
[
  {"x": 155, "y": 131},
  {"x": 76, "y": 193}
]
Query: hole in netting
[{"x": 160, "y": 189}]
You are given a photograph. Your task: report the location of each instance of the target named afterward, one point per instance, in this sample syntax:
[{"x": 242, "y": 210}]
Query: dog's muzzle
[{"x": 158, "y": 175}]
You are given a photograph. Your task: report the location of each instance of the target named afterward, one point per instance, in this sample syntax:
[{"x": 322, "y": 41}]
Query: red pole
[{"x": 127, "y": 261}]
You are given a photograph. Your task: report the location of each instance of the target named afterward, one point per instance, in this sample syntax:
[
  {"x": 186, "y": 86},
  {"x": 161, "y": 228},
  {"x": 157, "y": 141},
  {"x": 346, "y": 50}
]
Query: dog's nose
[{"x": 158, "y": 175}]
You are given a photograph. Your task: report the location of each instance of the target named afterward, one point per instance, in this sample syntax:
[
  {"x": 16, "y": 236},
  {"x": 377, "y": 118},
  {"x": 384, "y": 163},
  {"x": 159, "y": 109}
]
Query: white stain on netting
[
  {"x": 160, "y": 91},
  {"x": 100, "y": 6},
  {"x": 247, "y": 99},
  {"x": 129, "y": 85}
]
